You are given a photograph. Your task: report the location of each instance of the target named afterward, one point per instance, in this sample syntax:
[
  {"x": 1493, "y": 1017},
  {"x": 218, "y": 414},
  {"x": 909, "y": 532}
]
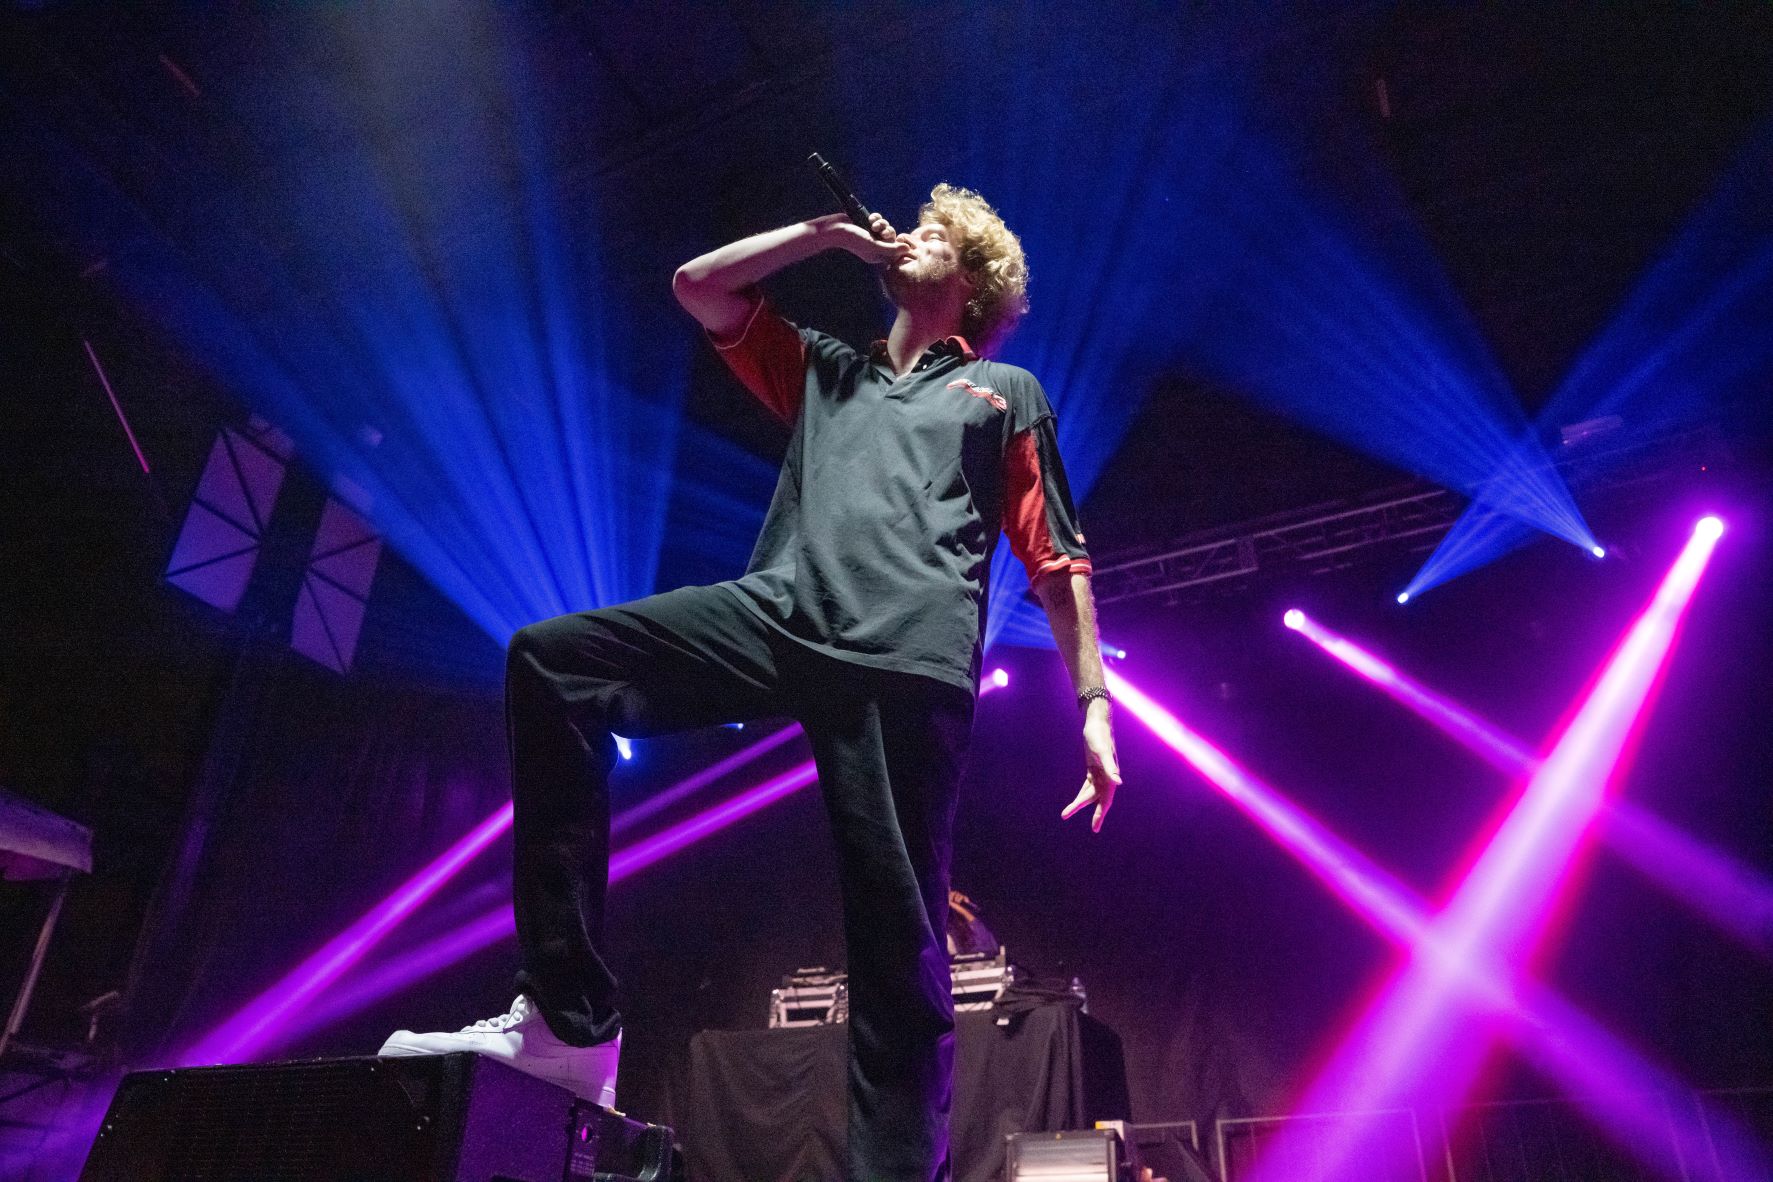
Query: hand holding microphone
[{"x": 868, "y": 236}]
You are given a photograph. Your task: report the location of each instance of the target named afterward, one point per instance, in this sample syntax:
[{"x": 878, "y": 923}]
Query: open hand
[{"x": 1103, "y": 775}]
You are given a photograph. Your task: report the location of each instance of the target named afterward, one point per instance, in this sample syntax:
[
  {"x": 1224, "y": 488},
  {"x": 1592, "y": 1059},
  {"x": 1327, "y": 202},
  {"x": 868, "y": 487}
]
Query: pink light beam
[
  {"x": 244, "y": 1035},
  {"x": 115, "y": 405},
  {"x": 1486, "y": 741},
  {"x": 1415, "y": 1046},
  {"x": 498, "y": 924},
  {"x": 659, "y": 801},
  {"x": 1731, "y": 895},
  {"x": 1610, "y": 1080}
]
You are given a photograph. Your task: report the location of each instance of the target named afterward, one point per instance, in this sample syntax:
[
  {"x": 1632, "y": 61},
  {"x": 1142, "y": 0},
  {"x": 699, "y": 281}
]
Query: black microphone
[{"x": 846, "y": 197}]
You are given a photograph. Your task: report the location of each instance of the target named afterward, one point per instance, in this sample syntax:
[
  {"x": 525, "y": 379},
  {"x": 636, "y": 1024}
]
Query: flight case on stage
[{"x": 440, "y": 1118}]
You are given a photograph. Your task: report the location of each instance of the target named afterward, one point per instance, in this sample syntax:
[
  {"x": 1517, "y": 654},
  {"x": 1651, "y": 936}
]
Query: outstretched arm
[
  {"x": 1071, "y": 612},
  {"x": 712, "y": 287}
]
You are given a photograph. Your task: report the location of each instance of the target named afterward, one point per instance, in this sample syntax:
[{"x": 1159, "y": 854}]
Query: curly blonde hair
[{"x": 990, "y": 253}]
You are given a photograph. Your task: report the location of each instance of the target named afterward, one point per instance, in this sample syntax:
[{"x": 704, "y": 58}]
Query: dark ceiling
[{"x": 1548, "y": 156}]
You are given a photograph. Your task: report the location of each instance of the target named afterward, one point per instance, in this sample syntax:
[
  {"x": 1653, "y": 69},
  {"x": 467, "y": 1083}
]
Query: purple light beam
[
  {"x": 411, "y": 967},
  {"x": 1730, "y": 894},
  {"x": 666, "y": 842},
  {"x": 720, "y": 769},
  {"x": 1416, "y": 1045},
  {"x": 370, "y": 985},
  {"x": 244, "y": 1035},
  {"x": 1615, "y": 1084},
  {"x": 1494, "y": 746}
]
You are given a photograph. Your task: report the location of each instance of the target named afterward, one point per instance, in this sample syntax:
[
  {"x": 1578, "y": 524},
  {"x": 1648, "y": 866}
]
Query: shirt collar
[{"x": 954, "y": 346}]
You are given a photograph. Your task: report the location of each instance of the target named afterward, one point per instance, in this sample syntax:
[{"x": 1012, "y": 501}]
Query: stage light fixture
[
  {"x": 1500, "y": 750},
  {"x": 1403, "y": 597},
  {"x": 1671, "y": 355},
  {"x": 624, "y": 747},
  {"x": 1294, "y": 619},
  {"x": 1599, "y": 551},
  {"x": 1000, "y": 678}
]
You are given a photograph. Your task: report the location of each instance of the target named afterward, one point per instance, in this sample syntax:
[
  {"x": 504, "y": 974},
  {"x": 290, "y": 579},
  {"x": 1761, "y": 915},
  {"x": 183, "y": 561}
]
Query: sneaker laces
[{"x": 517, "y": 1014}]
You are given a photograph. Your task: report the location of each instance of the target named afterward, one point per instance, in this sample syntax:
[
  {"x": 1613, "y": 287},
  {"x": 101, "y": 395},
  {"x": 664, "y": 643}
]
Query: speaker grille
[{"x": 337, "y": 1120}]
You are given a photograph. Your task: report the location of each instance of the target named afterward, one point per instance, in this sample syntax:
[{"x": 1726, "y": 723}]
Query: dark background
[{"x": 1548, "y": 156}]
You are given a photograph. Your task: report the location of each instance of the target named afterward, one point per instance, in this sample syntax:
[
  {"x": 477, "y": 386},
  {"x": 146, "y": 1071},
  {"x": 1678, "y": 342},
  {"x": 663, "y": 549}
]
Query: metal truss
[
  {"x": 1318, "y": 540},
  {"x": 1340, "y": 534}
]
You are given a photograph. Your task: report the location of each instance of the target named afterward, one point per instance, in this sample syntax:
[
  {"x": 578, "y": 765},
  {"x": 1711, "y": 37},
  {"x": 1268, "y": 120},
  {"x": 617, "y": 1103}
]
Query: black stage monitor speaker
[{"x": 436, "y": 1118}]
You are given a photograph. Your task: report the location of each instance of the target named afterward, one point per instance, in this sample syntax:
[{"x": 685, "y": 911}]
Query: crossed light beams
[
  {"x": 415, "y": 965},
  {"x": 1728, "y": 893},
  {"x": 410, "y": 967},
  {"x": 1693, "y": 328},
  {"x": 1415, "y": 1046},
  {"x": 265, "y": 1020},
  {"x": 288, "y": 1007},
  {"x": 1607, "y": 1078}
]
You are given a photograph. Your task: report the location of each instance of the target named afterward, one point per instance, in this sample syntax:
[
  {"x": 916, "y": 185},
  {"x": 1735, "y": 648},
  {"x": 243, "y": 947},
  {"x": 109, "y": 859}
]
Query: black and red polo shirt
[{"x": 878, "y": 543}]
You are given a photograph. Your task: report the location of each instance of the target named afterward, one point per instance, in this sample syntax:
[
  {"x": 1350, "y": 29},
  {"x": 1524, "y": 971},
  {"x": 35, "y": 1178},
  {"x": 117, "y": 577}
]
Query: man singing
[{"x": 861, "y": 614}]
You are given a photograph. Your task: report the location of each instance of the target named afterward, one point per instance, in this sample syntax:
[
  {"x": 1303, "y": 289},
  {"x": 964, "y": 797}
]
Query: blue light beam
[{"x": 1692, "y": 330}]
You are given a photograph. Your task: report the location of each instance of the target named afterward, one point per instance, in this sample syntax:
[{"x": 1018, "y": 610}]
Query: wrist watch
[{"x": 1087, "y": 696}]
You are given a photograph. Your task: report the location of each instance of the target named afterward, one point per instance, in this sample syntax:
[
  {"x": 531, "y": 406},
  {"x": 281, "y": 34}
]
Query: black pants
[{"x": 889, "y": 748}]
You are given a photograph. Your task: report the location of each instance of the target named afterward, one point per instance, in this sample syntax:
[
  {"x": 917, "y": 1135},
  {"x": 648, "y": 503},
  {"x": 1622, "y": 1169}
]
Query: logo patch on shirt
[{"x": 985, "y": 392}]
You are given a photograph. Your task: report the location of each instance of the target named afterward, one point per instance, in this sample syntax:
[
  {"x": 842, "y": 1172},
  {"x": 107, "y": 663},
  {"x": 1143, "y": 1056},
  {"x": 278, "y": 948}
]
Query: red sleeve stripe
[
  {"x": 769, "y": 357},
  {"x": 1076, "y": 566},
  {"x": 1025, "y": 514}
]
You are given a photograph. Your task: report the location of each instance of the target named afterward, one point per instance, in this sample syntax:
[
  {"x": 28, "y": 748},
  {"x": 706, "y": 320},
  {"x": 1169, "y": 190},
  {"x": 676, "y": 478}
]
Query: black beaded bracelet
[{"x": 1086, "y": 697}]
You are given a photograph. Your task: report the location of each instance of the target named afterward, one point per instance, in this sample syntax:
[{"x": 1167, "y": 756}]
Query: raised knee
[{"x": 528, "y": 650}]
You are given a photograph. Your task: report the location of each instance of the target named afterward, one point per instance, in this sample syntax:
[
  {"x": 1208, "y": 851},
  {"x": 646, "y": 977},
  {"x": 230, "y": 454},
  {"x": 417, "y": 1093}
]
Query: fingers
[
  {"x": 881, "y": 228},
  {"x": 1102, "y": 778},
  {"x": 882, "y": 252},
  {"x": 1102, "y": 784}
]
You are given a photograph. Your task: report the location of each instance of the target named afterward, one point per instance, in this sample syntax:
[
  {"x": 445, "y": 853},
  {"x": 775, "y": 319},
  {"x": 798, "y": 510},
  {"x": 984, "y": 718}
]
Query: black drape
[{"x": 770, "y": 1103}]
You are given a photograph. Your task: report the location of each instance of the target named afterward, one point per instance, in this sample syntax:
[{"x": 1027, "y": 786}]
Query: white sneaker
[{"x": 522, "y": 1039}]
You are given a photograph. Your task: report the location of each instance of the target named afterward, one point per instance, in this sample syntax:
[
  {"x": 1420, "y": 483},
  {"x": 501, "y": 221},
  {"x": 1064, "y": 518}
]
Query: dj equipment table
[{"x": 770, "y": 1103}]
